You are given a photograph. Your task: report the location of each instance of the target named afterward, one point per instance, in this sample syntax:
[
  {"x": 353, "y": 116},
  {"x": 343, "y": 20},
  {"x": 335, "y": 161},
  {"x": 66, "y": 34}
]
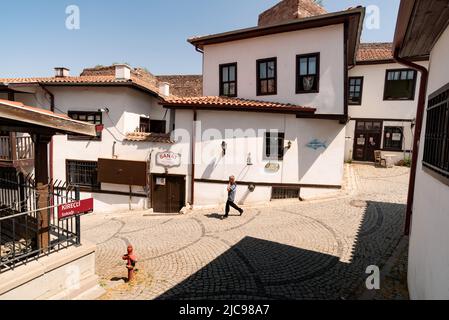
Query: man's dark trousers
[{"x": 230, "y": 204}]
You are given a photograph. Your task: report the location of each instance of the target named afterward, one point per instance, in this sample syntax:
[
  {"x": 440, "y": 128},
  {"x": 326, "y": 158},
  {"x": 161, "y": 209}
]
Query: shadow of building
[{"x": 261, "y": 269}]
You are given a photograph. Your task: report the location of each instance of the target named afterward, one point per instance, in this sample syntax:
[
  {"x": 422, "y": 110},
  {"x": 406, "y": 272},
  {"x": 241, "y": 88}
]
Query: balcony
[{"x": 19, "y": 154}]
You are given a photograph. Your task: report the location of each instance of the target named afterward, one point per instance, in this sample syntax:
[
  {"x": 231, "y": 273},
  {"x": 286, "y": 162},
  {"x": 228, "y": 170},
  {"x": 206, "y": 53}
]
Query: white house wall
[
  {"x": 392, "y": 113},
  {"x": 301, "y": 164},
  {"x": 428, "y": 276},
  {"x": 373, "y": 104},
  {"x": 117, "y": 123},
  {"x": 284, "y": 46}
]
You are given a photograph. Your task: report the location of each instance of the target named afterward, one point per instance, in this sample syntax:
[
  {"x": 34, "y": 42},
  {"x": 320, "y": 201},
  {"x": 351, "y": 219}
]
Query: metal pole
[{"x": 78, "y": 219}]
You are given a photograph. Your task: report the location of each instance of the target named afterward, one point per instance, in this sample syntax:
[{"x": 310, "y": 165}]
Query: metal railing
[
  {"x": 23, "y": 149},
  {"x": 20, "y": 218}
]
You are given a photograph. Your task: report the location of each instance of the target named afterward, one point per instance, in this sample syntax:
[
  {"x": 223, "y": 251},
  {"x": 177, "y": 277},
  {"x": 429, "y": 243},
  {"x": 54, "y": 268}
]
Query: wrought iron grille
[
  {"x": 19, "y": 219},
  {"x": 436, "y": 147}
]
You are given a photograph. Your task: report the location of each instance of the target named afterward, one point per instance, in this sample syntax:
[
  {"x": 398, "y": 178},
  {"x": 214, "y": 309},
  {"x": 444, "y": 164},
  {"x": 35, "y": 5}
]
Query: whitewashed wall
[
  {"x": 428, "y": 275},
  {"x": 407, "y": 143},
  {"x": 284, "y": 46},
  {"x": 125, "y": 106},
  {"x": 301, "y": 165},
  {"x": 375, "y": 107},
  {"x": 373, "y": 103}
]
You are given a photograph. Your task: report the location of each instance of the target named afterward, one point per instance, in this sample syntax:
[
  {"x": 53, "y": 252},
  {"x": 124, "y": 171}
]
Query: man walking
[{"x": 232, "y": 189}]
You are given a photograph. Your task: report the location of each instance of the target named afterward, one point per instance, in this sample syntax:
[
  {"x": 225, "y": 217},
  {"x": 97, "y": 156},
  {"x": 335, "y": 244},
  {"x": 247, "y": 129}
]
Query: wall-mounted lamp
[
  {"x": 289, "y": 145},
  {"x": 251, "y": 188},
  {"x": 224, "y": 146},
  {"x": 104, "y": 110},
  {"x": 249, "y": 161}
]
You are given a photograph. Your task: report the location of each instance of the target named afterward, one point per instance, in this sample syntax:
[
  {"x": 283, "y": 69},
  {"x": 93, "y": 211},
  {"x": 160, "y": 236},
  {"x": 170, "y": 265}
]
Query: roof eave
[
  {"x": 300, "y": 24},
  {"x": 280, "y": 110}
]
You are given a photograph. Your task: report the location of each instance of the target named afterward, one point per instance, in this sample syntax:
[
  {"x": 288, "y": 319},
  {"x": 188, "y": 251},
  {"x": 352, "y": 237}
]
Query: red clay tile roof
[
  {"x": 85, "y": 80},
  {"x": 382, "y": 51},
  {"x": 149, "y": 137},
  {"x": 235, "y": 104}
]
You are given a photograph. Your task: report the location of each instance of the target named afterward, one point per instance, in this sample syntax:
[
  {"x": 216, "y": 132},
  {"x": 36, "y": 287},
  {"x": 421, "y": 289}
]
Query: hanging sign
[
  {"x": 76, "y": 208},
  {"x": 168, "y": 159}
]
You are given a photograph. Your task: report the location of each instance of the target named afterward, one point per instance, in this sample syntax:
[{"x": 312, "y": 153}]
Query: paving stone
[{"x": 285, "y": 250}]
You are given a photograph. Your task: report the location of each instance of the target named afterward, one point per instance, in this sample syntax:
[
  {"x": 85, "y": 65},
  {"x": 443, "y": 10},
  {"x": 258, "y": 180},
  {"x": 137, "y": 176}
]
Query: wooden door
[
  {"x": 368, "y": 138},
  {"x": 168, "y": 193}
]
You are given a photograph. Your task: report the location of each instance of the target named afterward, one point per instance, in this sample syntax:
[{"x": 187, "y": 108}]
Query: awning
[{"x": 15, "y": 116}]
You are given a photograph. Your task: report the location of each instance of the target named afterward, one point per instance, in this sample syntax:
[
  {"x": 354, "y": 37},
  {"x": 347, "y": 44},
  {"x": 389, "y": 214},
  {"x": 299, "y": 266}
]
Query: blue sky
[{"x": 144, "y": 33}]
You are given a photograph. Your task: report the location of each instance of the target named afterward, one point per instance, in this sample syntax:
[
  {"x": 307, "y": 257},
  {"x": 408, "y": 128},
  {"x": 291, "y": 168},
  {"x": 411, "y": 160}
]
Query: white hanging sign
[{"x": 168, "y": 159}]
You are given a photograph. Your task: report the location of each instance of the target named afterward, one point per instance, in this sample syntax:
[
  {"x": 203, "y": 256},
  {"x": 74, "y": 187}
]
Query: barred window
[
  {"x": 278, "y": 193},
  {"x": 83, "y": 174},
  {"x": 436, "y": 144}
]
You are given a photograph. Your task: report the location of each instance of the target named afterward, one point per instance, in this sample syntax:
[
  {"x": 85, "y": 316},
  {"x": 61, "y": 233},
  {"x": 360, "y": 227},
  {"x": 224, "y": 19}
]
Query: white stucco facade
[
  {"x": 392, "y": 113},
  {"x": 328, "y": 41},
  {"x": 244, "y": 135},
  {"x": 126, "y": 106},
  {"x": 428, "y": 275}
]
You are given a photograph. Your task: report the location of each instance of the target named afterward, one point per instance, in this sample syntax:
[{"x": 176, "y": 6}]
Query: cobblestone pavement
[{"x": 285, "y": 250}]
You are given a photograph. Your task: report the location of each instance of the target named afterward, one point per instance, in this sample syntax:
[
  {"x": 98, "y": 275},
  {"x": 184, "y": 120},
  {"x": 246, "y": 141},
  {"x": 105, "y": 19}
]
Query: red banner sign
[{"x": 75, "y": 208}]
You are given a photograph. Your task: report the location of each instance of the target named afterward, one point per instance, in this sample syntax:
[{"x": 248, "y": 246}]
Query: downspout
[
  {"x": 192, "y": 179},
  {"x": 193, "y": 149},
  {"x": 51, "y": 151},
  {"x": 416, "y": 140}
]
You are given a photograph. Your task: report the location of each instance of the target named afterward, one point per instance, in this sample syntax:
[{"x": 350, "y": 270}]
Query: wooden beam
[
  {"x": 41, "y": 176},
  {"x": 34, "y": 117}
]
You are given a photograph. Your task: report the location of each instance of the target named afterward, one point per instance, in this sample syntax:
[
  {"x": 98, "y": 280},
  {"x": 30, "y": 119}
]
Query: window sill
[
  {"x": 399, "y": 99},
  {"x": 89, "y": 189},
  {"x": 392, "y": 150},
  {"x": 306, "y": 92},
  {"x": 266, "y": 94}
]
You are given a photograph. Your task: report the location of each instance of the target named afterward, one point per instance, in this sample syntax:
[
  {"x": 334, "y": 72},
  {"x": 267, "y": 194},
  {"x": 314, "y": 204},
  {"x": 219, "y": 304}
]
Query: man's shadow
[{"x": 214, "y": 216}]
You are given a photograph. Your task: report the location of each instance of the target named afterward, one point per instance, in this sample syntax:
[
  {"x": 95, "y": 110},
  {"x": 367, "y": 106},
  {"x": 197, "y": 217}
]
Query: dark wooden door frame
[
  {"x": 167, "y": 176},
  {"x": 357, "y": 133}
]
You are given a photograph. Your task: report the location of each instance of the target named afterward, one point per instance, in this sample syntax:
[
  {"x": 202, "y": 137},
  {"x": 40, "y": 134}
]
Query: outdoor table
[{"x": 389, "y": 160}]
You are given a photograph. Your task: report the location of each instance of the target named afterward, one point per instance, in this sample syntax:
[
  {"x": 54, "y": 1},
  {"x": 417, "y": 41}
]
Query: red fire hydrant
[{"x": 131, "y": 262}]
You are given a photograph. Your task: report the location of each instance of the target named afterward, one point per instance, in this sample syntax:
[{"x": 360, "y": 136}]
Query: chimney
[
  {"x": 62, "y": 72},
  {"x": 122, "y": 72},
  {"x": 164, "y": 89}
]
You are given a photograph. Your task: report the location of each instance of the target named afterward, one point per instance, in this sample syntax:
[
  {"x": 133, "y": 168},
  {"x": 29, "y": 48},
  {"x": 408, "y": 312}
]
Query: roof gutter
[{"x": 418, "y": 129}]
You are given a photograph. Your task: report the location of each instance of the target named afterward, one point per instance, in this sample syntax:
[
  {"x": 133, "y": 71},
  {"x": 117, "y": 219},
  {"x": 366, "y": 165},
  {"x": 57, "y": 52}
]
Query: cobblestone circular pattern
[{"x": 309, "y": 250}]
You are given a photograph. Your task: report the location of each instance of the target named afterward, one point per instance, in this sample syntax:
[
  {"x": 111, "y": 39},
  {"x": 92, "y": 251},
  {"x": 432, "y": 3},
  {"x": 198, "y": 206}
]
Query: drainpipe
[
  {"x": 192, "y": 182},
  {"x": 418, "y": 129}
]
